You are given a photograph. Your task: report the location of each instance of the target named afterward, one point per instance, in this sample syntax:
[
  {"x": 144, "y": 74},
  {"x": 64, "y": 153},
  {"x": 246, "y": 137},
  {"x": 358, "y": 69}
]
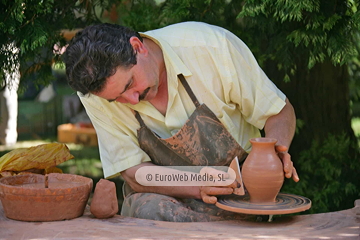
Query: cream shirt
[{"x": 221, "y": 71}]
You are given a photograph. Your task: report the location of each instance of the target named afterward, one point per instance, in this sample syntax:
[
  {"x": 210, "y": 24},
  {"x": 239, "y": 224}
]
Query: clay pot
[
  {"x": 25, "y": 197},
  {"x": 262, "y": 171}
]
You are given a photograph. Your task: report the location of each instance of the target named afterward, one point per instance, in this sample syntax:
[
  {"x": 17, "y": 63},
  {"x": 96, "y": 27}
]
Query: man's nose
[{"x": 132, "y": 98}]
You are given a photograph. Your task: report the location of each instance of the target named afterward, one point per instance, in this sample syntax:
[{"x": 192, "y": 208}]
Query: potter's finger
[
  {"x": 210, "y": 199},
  {"x": 289, "y": 174},
  {"x": 281, "y": 148},
  {"x": 217, "y": 190},
  {"x": 220, "y": 190},
  {"x": 295, "y": 176},
  {"x": 206, "y": 198},
  {"x": 234, "y": 184},
  {"x": 288, "y": 165}
]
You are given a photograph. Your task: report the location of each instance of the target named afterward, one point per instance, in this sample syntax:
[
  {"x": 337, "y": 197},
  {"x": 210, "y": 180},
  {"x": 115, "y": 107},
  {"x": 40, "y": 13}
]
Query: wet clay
[
  {"x": 27, "y": 198},
  {"x": 284, "y": 204},
  {"x": 262, "y": 172},
  {"x": 104, "y": 203},
  {"x": 263, "y": 177}
]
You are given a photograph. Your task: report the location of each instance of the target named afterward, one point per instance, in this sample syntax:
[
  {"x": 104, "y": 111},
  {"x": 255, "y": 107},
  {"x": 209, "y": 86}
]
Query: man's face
[{"x": 140, "y": 82}]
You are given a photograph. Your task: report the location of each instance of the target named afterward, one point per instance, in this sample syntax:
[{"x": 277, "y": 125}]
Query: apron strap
[
  {"x": 188, "y": 90},
  {"x": 140, "y": 120}
]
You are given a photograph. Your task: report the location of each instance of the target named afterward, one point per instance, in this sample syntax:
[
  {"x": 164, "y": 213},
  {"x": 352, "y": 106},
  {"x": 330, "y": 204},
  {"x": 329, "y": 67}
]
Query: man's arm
[
  {"x": 206, "y": 193},
  {"x": 181, "y": 192},
  {"x": 282, "y": 127}
]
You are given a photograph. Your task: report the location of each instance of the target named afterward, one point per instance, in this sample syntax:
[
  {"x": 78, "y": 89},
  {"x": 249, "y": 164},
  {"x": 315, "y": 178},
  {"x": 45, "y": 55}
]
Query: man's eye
[{"x": 130, "y": 85}]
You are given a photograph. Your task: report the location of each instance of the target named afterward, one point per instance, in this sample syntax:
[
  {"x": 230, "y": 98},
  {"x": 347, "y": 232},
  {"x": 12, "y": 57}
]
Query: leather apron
[{"x": 202, "y": 141}]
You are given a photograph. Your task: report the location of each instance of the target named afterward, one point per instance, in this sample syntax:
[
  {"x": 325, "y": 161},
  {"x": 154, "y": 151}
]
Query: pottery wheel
[{"x": 284, "y": 204}]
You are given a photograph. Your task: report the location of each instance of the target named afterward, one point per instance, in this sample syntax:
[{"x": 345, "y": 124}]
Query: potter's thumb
[
  {"x": 281, "y": 148},
  {"x": 295, "y": 176}
]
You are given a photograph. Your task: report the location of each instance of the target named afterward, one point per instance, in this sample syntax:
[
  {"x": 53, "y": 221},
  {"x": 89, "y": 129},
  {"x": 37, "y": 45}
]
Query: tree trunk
[{"x": 321, "y": 100}]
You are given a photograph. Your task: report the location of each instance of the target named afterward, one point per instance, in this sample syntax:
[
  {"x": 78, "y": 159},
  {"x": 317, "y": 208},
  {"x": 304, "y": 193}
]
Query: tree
[
  {"x": 308, "y": 44},
  {"x": 35, "y": 26},
  {"x": 29, "y": 31}
]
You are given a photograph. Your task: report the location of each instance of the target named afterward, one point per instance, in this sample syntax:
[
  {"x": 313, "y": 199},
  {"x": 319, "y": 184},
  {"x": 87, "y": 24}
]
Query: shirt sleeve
[
  {"x": 248, "y": 86},
  {"x": 118, "y": 145}
]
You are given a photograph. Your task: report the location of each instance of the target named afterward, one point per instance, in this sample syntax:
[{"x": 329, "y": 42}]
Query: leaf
[
  {"x": 39, "y": 157},
  {"x": 53, "y": 170}
]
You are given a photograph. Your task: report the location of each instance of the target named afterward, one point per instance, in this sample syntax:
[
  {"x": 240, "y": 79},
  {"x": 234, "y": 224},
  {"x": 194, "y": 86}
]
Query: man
[{"x": 187, "y": 94}]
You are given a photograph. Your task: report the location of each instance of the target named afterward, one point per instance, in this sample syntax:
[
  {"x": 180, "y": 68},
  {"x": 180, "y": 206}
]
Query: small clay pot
[
  {"x": 262, "y": 171},
  {"x": 25, "y": 197}
]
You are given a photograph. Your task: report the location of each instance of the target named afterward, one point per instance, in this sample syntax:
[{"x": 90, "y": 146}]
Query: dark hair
[{"x": 95, "y": 53}]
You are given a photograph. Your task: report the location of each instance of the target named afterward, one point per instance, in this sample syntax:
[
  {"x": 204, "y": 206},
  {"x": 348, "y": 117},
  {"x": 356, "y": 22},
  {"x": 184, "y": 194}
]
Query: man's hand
[
  {"x": 289, "y": 169},
  {"x": 206, "y": 193},
  {"x": 209, "y": 193}
]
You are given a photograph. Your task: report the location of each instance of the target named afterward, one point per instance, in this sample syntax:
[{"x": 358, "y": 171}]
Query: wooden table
[{"x": 333, "y": 225}]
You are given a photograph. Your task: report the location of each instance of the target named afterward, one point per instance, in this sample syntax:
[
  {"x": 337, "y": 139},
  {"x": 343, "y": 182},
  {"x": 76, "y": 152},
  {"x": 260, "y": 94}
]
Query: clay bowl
[{"x": 25, "y": 198}]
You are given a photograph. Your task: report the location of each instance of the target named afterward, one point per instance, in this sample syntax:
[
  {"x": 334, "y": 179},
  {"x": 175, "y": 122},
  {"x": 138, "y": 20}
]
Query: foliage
[
  {"x": 142, "y": 15},
  {"x": 329, "y": 175},
  {"x": 34, "y": 26},
  {"x": 309, "y": 31},
  {"x": 355, "y": 123},
  {"x": 354, "y": 72}
]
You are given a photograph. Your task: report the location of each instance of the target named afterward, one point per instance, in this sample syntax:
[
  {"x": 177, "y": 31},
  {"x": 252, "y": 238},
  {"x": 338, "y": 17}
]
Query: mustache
[{"x": 143, "y": 95}]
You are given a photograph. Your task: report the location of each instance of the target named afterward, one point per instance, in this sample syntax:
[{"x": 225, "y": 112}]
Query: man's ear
[{"x": 138, "y": 46}]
